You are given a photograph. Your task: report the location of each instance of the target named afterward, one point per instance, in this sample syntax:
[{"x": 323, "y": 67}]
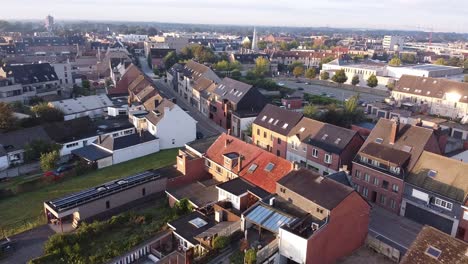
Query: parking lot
[{"x": 339, "y": 94}]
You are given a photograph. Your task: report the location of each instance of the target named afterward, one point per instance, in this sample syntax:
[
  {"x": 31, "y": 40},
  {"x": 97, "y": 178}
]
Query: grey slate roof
[
  {"x": 31, "y": 73},
  {"x": 277, "y": 119},
  {"x": 232, "y": 90},
  {"x": 92, "y": 153},
  {"x": 17, "y": 140}
]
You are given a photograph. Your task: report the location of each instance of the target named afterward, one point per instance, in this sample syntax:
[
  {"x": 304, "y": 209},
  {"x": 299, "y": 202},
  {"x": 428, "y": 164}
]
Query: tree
[
  {"x": 236, "y": 74},
  {"x": 47, "y": 113},
  {"x": 408, "y": 58},
  {"x": 310, "y": 110},
  {"x": 7, "y": 120},
  {"x": 156, "y": 72},
  {"x": 221, "y": 242},
  {"x": 36, "y": 147},
  {"x": 250, "y": 256},
  {"x": 340, "y": 76},
  {"x": 248, "y": 129},
  {"x": 440, "y": 61},
  {"x": 395, "y": 61},
  {"x": 183, "y": 207},
  {"x": 262, "y": 45},
  {"x": 49, "y": 160},
  {"x": 351, "y": 104},
  {"x": 170, "y": 59},
  {"x": 310, "y": 73},
  {"x": 294, "y": 65},
  {"x": 221, "y": 66},
  {"x": 355, "y": 80},
  {"x": 324, "y": 75},
  {"x": 262, "y": 66},
  {"x": 85, "y": 83},
  {"x": 235, "y": 65},
  {"x": 298, "y": 71},
  {"x": 284, "y": 46},
  {"x": 372, "y": 81}
]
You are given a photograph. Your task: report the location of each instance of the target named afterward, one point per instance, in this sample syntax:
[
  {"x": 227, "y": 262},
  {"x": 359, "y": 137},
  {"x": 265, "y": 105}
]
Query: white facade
[
  {"x": 292, "y": 246},
  {"x": 423, "y": 70},
  {"x": 393, "y": 43},
  {"x": 64, "y": 74},
  {"x": 227, "y": 196},
  {"x": 132, "y": 38},
  {"x": 4, "y": 162},
  {"x": 175, "y": 129},
  {"x": 136, "y": 151},
  {"x": 13, "y": 93}
]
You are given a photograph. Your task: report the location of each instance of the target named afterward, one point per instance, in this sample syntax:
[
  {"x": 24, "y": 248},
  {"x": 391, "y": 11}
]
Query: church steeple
[{"x": 254, "y": 40}]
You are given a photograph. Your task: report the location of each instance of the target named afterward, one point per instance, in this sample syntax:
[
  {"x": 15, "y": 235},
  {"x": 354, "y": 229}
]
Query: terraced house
[
  {"x": 388, "y": 154},
  {"x": 436, "y": 192},
  {"x": 322, "y": 147},
  {"x": 271, "y": 128}
]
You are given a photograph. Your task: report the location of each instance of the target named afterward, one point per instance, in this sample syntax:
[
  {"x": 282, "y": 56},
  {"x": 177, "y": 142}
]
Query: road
[
  {"x": 28, "y": 245},
  {"x": 339, "y": 94},
  {"x": 204, "y": 125}
]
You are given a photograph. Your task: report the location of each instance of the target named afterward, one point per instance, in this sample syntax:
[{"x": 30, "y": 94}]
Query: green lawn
[{"x": 25, "y": 210}]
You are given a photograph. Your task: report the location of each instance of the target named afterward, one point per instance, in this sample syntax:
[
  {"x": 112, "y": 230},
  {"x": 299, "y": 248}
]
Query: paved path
[
  {"x": 28, "y": 245},
  {"x": 339, "y": 94},
  {"x": 204, "y": 125}
]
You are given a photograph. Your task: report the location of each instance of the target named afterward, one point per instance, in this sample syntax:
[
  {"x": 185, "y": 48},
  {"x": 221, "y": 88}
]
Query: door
[{"x": 373, "y": 196}]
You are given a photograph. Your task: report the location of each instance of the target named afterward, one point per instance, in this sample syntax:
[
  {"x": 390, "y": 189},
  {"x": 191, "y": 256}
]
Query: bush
[
  {"x": 251, "y": 256},
  {"x": 324, "y": 75},
  {"x": 221, "y": 242},
  {"x": 237, "y": 258},
  {"x": 49, "y": 160}
]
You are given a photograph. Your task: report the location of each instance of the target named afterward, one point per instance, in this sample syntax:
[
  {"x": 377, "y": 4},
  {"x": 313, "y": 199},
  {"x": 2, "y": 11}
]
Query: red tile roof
[{"x": 250, "y": 155}]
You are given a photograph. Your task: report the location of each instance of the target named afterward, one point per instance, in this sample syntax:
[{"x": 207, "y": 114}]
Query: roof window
[
  {"x": 301, "y": 130},
  {"x": 433, "y": 252},
  {"x": 378, "y": 140},
  {"x": 269, "y": 167},
  {"x": 432, "y": 173},
  {"x": 285, "y": 126},
  {"x": 271, "y": 120},
  {"x": 252, "y": 168},
  {"x": 264, "y": 118},
  {"x": 198, "y": 222}
]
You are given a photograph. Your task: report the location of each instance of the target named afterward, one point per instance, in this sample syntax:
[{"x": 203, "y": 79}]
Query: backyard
[{"x": 24, "y": 211}]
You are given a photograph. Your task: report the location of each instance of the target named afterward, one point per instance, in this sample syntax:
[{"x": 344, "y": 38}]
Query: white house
[
  {"x": 171, "y": 125},
  {"x": 92, "y": 106}
]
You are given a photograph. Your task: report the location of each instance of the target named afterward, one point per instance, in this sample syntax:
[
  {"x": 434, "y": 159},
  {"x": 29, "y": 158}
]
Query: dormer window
[{"x": 271, "y": 120}]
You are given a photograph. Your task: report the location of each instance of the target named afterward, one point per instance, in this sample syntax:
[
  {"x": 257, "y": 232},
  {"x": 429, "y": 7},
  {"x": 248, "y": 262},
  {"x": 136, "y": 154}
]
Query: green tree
[
  {"x": 7, "y": 120},
  {"x": 170, "y": 59},
  {"x": 324, "y": 75},
  {"x": 221, "y": 242},
  {"x": 262, "y": 66},
  {"x": 351, "y": 104},
  {"x": 340, "y": 76},
  {"x": 235, "y": 65},
  {"x": 298, "y": 71},
  {"x": 156, "y": 72},
  {"x": 47, "y": 113},
  {"x": 372, "y": 81},
  {"x": 310, "y": 73},
  {"x": 327, "y": 59},
  {"x": 408, "y": 58},
  {"x": 49, "y": 160},
  {"x": 36, "y": 147},
  {"x": 294, "y": 65},
  {"x": 183, "y": 207},
  {"x": 236, "y": 74},
  {"x": 284, "y": 46},
  {"x": 440, "y": 61},
  {"x": 310, "y": 111},
  {"x": 455, "y": 62},
  {"x": 248, "y": 130},
  {"x": 355, "y": 80},
  {"x": 395, "y": 61},
  {"x": 250, "y": 256},
  {"x": 221, "y": 66},
  {"x": 85, "y": 84},
  {"x": 262, "y": 45}
]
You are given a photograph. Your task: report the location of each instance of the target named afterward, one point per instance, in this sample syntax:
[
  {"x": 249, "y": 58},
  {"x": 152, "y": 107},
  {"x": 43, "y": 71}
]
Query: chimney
[
  {"x": 229, "y": 131},
  {"x": 419, "y": 122},
  {"x": 394, "y": 130},
  {"x": 295, "y": 166}
]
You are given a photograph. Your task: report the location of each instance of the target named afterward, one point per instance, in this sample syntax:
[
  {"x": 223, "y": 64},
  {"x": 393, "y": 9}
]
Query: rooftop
[
  {"x": 115, "y": 143},
  {"x": 239, "y": 186},
  {"x": 191, "y": 225},
  {"x": 82, "y": 104},
  {"x": 198, "y": 193},
  {"x": 277, "y": 119}
]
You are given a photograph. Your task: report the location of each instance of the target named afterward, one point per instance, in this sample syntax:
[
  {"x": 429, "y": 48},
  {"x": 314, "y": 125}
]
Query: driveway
[{"x": 28, "y": 245}]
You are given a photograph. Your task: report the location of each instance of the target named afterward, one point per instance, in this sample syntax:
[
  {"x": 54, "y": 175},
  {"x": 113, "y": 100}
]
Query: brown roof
[
  {"x": 382, "y": 152},
  {"x": 152, "y": 102},
  {"x": 411, "y": 139},
  {"x": 122, "y": 85},
  {"x": 450, "y": 177},
  {"x": 203, "y": 84},
  {"x": 452, "y": 250},
  {"x": 139, "y": 83},
  {"x": 320, "y": 190},
  {"x": 277, "y": 119},
  {"x": 146, "y": 93},
  {"x": 157, "y": 114},
  {"x": 431, "y": 87}
]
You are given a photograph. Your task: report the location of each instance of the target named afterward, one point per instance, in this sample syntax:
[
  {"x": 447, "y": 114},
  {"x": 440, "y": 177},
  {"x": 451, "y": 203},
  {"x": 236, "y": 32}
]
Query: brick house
[
  {"x": 229, "y": 157},
  {"x": 388, "y": 154},
  {"x": 435, "y": 194},
  {"x": 232, "y": 99},
  {"x": 271, "y": 128},
  {"x": 322, "y": 147}
]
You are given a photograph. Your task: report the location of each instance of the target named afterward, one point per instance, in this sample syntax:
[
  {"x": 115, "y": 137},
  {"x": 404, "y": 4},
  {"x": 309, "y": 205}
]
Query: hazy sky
[{"x": 442, "y": 15}]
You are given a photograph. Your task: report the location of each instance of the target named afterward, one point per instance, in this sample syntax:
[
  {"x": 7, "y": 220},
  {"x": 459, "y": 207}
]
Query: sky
[{"x": 439, "y": 15}]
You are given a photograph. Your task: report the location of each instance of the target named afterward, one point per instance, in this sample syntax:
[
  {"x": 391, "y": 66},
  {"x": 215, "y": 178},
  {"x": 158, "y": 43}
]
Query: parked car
[
  {"x": 281, "y": 84},
  {"x": 306, "y": 83},
  {"x": 300, "y": 89}
]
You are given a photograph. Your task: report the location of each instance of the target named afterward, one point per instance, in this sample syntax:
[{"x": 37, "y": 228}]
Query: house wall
[
  {"x": 176, "y": 128},
  {"x": 105, "y": 162},
  {"x": 136, "y": 151},
  {"x": 99, "y": 206},
  {"x": 228, "y": 215},
  {"x": 319, "y": 161},
  {"x": 268, "y": 140},
  {"x": 348, "y": 154},
  {"x": 463, "y": 226},
  {"x": 350, "y": 219},
  {"x": 292, "y": 246},
  {"x": 222, "y": 175},
  {"x": 218, "y": 115},
  {"x": 301, "y": 202},
  {"x": 388, "y": 193},
  {"x": 4, "y": 162}
]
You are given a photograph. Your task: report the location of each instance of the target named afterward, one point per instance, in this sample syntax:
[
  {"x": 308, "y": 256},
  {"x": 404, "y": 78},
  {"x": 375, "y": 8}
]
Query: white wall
[
  {"x": 175, "y": 129},
  {"x": 136, "y": 151},
  {"x": 235, "y": 200},
  {"x": 4, "y": 162},
  {"x": 292, "y": 246}
]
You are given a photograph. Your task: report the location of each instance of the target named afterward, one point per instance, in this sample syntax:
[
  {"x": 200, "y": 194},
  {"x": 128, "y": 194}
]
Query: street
[
  {"x": 205, "y": 126},
  {"x": 339, "y": 94}
]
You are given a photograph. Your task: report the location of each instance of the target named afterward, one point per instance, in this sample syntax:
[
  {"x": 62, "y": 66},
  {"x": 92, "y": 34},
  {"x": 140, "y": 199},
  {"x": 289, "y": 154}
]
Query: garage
[{"x": 427, "y": 218}]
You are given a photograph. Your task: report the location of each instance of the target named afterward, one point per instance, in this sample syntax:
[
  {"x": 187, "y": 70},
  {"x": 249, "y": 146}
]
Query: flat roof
[
  {"x": 83, "y": 104},
  {"x": 76, "y": 199},
  {"x": 199, "y": 193},
  {"x": 431, "y": 67}
]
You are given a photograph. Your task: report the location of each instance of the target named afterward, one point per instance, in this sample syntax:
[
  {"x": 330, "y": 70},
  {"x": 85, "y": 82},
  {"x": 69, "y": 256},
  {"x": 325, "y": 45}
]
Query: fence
[{"x": 266, "y": 252}]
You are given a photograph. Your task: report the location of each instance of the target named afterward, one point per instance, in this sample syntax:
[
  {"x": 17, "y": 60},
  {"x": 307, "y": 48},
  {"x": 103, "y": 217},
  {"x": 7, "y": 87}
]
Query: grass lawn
[{"x": 25, "y": 210}]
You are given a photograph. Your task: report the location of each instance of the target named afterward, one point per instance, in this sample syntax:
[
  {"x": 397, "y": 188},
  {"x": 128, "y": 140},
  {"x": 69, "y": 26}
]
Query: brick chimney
[{"x": 394, "y": 130}]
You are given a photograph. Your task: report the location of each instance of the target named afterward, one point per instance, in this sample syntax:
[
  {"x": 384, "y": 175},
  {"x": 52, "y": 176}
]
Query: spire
[{"x": 254, "y": 40}]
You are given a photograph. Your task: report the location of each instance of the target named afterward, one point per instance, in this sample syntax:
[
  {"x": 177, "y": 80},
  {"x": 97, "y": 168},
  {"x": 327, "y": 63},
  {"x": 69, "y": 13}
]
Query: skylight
[
  {"x": 433, "y": 252},
  {"x": 269, "y": 167},
  {"x": 324, "y": 136},
  {"x": 301, "y": 130},
  {"x": 271, "y": 120},
  {"x": 337, "y": 141},
  {"x": 432, "y": 173},
  {"x": 264, "y": 118},
  {"x": 378, "y": 140},
  {"x": 253, "y": 167},
  {"x": 198, "y": 222},
  {"x": 276, "y": 122},
  {"x": 285, "y": 126}
]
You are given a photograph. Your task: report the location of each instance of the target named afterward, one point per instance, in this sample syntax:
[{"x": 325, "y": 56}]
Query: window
[
  {"x": 283, "y": 190},
  {"x": 253, "y": 167},
  {"x": 383, "y": 199},
  {"x": 395, "y": 170},
  {"x": 328, "y": 159},
  {"x": 107, "y": 204},
  {"x": 208, "y": 163},
  {"x": 115, "y": 135},
  {"x": 364, "y": 159},
  {"x": 365, "y": 191},
  {"x": 264, "y": 134},
  {"x": 375, "y": 163},
  {"x": 357, "y": 174},
  {"x": 71, "y": 145},
  {"x": 315, "y": 153},
  {"x": 378, "y": 140},
  {"x": 358, "y": 188},
  {"x": 367, "y": 177},
  {"x": 392, "y": 204},
  {"x": 143, "y": 192},
  {"x": 269, "y": 167},
  {"x": 395, "y": 188},
  {"x": 385, "y": 184},
  {"x": 376, "y": 181},
  {"x": 319, "y": 210},
  {"x": 218, "y": 169},
  {"x": 278, "y": 152},
  {"x": 279, "y": 141},
  {"x": 304, "y": 149},
  {"x": 443, "y": 204},
  {"x": 433, "y": 252},
  {"x": 258, "y": 132}
]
